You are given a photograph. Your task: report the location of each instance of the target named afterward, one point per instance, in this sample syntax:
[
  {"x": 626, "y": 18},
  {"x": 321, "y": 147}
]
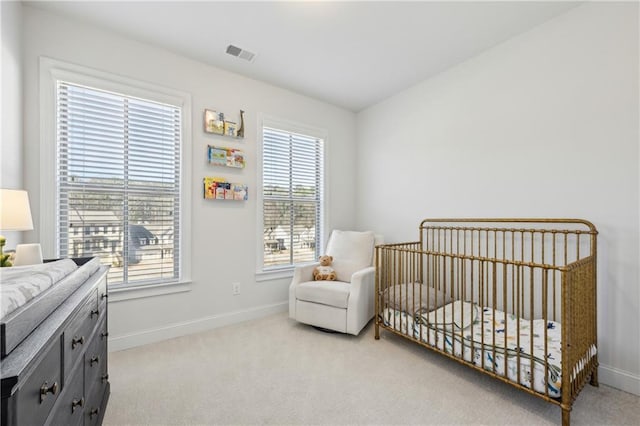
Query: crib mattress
[
  {"x": 467, "y": 331},
  {"x": 30, "y": 293}
]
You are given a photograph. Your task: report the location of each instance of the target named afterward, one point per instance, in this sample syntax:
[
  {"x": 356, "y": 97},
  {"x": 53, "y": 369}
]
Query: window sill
[
  {"x": 119, "y": 294},
  {"x": 275, "y": 274}
]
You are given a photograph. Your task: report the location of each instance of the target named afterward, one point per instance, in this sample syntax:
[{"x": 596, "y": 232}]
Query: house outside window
[{"x": 292, "y": 196}]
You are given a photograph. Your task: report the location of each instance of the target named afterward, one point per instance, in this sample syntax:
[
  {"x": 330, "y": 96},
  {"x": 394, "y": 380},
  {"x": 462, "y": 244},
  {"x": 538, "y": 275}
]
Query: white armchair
[{"x": 345, "y": 305}]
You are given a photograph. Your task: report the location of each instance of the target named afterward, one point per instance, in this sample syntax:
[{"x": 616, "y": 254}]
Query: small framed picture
[
  {"x": 230, "y": 128},
  {"x": 212, "y": 122}
]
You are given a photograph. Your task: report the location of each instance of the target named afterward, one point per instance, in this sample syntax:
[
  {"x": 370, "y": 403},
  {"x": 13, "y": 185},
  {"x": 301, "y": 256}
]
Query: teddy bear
[{"x": 324, "y": 272}]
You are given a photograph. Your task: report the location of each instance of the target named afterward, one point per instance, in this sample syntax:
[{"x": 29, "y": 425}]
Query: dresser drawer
[
  {"x": 41, "y": 389},
  {"x": 77, "y": 334},
  {"x": 70, "y": 407},
  {"x": 95, "y": 358},
  {"x": 93, "y": 410}
]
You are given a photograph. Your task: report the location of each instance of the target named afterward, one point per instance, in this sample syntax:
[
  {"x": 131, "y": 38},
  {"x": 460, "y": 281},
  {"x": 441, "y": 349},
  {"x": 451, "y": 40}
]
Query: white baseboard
[
  {"x": 619, "y": 379},
  {"x": 118, "y": 343}
]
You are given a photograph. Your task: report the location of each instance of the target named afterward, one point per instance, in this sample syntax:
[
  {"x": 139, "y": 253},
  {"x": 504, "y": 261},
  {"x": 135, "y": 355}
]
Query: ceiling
[{"x": 351, "y": 54}]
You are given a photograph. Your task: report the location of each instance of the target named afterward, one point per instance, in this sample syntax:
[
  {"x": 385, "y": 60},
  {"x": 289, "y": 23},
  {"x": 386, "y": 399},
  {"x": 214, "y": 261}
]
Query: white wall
[
  {"x": 224, "y": 234},
  {"x": 544, "y": 125},
  {"x": 11, "y": 112}
]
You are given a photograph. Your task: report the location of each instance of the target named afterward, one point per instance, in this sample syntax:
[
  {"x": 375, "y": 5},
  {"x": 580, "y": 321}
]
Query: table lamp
[{"x": 15, "y": 215}]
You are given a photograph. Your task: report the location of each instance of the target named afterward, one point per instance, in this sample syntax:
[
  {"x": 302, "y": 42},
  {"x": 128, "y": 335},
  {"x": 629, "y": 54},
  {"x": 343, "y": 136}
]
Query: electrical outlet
[{"x": 236, "y": 289}]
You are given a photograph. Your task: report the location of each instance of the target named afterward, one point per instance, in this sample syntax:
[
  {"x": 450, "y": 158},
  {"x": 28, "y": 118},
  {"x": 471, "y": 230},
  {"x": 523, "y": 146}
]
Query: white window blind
[
  {"x": 292, "y": 197},
  {"x": 118, "y": 189}
]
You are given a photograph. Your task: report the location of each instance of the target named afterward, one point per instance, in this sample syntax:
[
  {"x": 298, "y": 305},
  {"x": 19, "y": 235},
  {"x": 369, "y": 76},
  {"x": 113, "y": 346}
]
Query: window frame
[
  {"x": 51, "y": 71},
  {"x": 278, "y": 272}
]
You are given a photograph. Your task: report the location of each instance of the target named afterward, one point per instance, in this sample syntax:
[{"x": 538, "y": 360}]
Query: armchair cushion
[
  {"x": 351, "y": 251},
  {"x": 330, "y": 293}
]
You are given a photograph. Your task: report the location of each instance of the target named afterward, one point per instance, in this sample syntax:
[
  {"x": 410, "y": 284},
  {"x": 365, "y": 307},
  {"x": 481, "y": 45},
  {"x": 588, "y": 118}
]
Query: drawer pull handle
[
  {"x": 46, "y": 389},
  {"x": 94, "y": 412},
  {"x": 96, "y": 313},
  {"x": 77, "y": 341},
  {"x": 105, "y": 378},
  {"x": 104, "y": 334},
  {"x": 93, "y": 360},
  {"x": 76, "y": 403},
  {"x": 105, "y": 296}
]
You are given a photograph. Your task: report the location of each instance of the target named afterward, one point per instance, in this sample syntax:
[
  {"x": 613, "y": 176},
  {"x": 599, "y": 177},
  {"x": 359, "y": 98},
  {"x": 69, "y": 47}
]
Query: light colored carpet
[{"x": 276, "y": 371}]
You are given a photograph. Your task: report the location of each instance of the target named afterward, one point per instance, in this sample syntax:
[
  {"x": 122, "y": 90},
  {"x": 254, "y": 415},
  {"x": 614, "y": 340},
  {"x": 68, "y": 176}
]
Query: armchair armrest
[
  {"x": 361, "y": 299},
  {"x": 361, "y": 277},
  {"x": 301, "y": 274}
]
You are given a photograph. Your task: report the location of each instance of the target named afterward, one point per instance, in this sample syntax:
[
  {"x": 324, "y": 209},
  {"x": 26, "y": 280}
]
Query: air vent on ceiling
[{"x": 240, "y": 53}]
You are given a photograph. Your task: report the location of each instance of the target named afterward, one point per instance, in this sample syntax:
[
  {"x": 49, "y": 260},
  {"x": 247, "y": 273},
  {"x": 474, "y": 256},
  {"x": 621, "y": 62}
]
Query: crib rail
[{"x": 502, "y": 281}]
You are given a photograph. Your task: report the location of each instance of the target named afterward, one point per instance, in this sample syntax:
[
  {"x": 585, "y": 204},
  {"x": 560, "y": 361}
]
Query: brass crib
[{"x": 522, "y": 269}]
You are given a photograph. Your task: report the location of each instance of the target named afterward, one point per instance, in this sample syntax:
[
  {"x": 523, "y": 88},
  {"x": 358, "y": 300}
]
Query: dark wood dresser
[{"x": 58, "y": 375}]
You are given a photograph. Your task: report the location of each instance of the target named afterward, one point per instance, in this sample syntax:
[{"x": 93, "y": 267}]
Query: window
[
  {"x": 292, "y": 196},
  {"x": 119, "y": 178}
]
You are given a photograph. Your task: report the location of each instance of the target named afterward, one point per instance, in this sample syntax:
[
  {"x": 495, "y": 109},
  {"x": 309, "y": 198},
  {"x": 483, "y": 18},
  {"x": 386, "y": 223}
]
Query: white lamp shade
[
  {"x": 28, "y": 254},
  {"x": 15, "y": 212}
]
